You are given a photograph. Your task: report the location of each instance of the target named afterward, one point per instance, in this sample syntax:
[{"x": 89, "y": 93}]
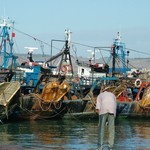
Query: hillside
[{"x": 133, "y": 62}]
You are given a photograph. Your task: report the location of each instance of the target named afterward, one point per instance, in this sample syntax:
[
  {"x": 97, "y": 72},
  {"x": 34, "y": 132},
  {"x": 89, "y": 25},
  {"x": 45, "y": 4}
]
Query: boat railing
[
  {"x": 83, "y": 63},
  {"x": 19, "y": 76}
]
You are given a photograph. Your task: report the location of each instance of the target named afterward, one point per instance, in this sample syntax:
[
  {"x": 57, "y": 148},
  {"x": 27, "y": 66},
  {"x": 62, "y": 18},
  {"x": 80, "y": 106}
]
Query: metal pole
[{"x": 113, "y": 61}]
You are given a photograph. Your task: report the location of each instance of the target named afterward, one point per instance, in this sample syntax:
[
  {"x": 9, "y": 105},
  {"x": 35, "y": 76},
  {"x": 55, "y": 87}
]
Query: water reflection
[
  {"x": 133, "y": 134},
  {"x": 74, "y": 134}
]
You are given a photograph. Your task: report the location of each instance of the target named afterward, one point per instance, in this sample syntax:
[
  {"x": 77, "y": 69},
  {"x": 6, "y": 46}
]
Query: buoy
[{"x": 138, "y": 83}]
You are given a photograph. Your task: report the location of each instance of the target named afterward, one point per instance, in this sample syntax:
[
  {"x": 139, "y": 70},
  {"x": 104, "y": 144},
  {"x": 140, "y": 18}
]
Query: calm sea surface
[{"x": 73, "y": 135}]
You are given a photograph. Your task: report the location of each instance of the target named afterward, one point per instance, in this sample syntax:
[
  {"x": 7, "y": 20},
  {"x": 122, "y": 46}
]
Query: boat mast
[
  {"x": 6, "y": 40},
  {"x": 64, "y": 53},
  {"x": 113, "y": 60},
  {"x": 119, "y": 52},
  {"x": 66, "y": 57}
]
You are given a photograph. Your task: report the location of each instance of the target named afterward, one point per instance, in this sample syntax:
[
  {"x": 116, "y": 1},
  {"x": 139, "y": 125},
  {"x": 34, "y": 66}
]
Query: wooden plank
[{"x": 7, "y": 91}]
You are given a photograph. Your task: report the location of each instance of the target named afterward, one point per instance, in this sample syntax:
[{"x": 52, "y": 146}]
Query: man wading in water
[{"x": 106, "y": 108}]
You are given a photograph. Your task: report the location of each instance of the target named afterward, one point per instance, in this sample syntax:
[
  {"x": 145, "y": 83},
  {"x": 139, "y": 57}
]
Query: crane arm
[{"x": 55, "y": 56}]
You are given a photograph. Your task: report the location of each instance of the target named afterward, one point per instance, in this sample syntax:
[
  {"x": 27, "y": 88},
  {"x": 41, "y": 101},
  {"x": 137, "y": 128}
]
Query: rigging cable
[
  {"x": 104, "y": 48},
  {"x": 83, "y": 45},
  {"x": 75, "y": 51},
  {"x": 31, "y": 36},
  {"x": 125, "y": 63},
  {"x": 102, "y": 56},
  {"x": 89, "y": 46},
  {"x": 138, "y": 51},
  {"x": 36, "y": 39}
]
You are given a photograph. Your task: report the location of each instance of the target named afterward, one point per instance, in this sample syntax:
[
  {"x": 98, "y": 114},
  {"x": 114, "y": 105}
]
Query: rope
[
  {"x": 50, "y": 104},
  {"x": 43, "y": 118},
  {"x": 70, "y": 114},
  {"x": 40, "y": 103},
  {"x": 7, "y": 111},
  {"x": 59, "y": 105},
  {"x": 26, "y": 110}
]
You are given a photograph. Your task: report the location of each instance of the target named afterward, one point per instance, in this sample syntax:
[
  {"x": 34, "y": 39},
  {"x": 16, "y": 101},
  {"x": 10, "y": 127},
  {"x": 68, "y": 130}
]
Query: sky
[{"x": 92, "y": 22}]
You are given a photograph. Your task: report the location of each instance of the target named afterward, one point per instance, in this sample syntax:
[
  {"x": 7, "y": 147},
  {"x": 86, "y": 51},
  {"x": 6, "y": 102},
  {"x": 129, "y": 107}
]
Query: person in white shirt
[{"x": 106, "y": 108}]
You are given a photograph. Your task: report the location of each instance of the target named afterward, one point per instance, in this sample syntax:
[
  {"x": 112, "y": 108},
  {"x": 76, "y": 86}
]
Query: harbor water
[{"x": 131, "y": 134}]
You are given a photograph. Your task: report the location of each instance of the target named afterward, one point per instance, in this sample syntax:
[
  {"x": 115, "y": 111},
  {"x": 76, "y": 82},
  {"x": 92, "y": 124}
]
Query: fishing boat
[
  {"x": 78, "y": 99},
  {"x": 51, "y": 94},
  {"x": 9, "y": 91},
  {"x": 47, "y": 105},
  {"x": 132, "y": 97},
  {"x": 132, "y": 93},
  {"x": 133, "y": 100}
]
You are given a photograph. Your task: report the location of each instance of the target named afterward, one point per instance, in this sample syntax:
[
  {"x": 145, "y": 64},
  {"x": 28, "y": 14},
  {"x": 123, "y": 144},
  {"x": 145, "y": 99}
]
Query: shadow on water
[{"x": 73, "y": 135}]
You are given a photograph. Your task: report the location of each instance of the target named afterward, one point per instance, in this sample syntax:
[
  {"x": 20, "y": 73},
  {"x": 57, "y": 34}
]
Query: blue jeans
[{"x": 111, "y": 129}]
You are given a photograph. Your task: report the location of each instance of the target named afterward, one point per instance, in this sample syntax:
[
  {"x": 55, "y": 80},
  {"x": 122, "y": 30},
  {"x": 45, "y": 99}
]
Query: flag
[{"x": 13, "y": 34}]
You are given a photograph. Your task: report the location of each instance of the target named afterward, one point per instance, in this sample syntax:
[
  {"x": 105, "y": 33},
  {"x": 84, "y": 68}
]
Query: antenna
[
  {"x": 6, "y": 22},
  {"x": 118, "y": 37},
  {"x": 68, "y": 36},
  {"x": 31, "y": 49}
]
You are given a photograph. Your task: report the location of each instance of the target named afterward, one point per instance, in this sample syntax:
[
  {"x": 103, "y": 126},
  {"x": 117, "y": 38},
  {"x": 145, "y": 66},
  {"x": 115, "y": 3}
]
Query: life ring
[
  {"x": 63, "y": 68},
  {"x": 137, "y": 83},
  {"x": 66, "y": 68}
]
